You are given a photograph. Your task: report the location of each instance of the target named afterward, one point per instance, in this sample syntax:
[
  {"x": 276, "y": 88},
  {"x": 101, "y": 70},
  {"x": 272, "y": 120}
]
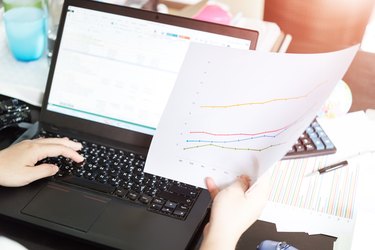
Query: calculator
[{"x": 313, "y": 142}]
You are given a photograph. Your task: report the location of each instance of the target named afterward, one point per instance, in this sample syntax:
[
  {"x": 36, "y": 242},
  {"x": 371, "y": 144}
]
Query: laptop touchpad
[{"x": 66, "y": 206}]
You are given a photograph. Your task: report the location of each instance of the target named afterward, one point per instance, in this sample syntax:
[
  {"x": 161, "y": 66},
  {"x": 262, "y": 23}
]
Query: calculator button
[
  {"x": 313, "y": 135},
  {"x": 309, "y": 130},
  {"x": 309, "y": 147},
  {"x": 327, "y": 142},
  {"x": 306, "y": 141},
  {"x": 303, "y": 136},
  {"x": 322, "y": 134},
  {"x": 318, "y": 129},
  {"x": 299, "y": 148},
  {"x": 315, "y": 124},
  {"x": 318, "y": 144}
]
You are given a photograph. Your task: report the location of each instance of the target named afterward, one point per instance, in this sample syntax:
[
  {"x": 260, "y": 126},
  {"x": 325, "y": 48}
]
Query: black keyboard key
[
  {"x": 88, "y": 184},
  {"x": 180, "y": 190},
  {"x": 89, "y": 175},
  {"x": 150, "y": 191},
  {"x": 78, "y": 172},
  {"x": 170, "y": 204},
  {"x": 114, "y": 181},
  {"x": 136, "y": 187},
  {"x": 121, "y": 192},
  {"x": 158, "y": 201},
  {"x": 181, "y": 211},
  {"x": 145, "y": 199},
  {"x": 79, "y": 164},
  {"x": 102, "y": 178},
  {"x": 167, "y": 210},
  {"x": 132, "y": 195},
  {"x": 155, "y": 206},
  {"x": 174, "y": 197}
]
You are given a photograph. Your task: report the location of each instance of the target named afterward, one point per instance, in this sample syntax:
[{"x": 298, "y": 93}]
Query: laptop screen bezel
[{"x": 109, "y": 132}]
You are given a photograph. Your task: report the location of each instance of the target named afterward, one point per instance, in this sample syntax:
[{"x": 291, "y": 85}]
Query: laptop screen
[{"x": 119, "y": 70}]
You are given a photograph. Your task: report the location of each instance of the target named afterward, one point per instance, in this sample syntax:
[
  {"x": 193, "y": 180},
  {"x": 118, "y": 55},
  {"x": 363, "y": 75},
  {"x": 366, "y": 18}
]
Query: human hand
[
  {"x": 17, "y": 162},
  {"x": 234, "y": 209}
]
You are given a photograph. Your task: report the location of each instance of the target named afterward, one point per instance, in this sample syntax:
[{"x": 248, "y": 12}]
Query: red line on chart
[
  {"x": 239, "y": 134},
  {"x": 233, "y": 148},
  {"x": 244, "y": 134}
]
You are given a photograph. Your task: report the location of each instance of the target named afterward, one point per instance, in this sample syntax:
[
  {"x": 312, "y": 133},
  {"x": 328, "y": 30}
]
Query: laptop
[{"x": 111, "y": 73}]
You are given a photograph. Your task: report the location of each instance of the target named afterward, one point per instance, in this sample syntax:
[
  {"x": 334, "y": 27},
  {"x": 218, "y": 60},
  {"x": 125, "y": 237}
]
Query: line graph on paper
[
  {"x": 231, "y": 136},
  {"x": 224, "y": 121},
  {"x": 202, "y": 139},
  {"x": 238, "y": 141},
  {"x": 217, "y": 130},
  {"x": 231, "y": 139},
  {"x": 330, "y": 194},
  {"x": 215, "y": 125}
]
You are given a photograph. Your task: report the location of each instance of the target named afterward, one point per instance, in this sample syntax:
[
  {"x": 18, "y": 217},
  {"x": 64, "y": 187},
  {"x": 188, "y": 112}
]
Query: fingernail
[
  {"x": 78, "y": 146},
  {"x": 242, "y": 176},
  {"x": 82, "y": 158},
  {"x": 55, "y": 169}
]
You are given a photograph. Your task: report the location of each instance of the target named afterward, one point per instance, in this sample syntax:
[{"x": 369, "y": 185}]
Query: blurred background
[{"x": 321, "y": 25}]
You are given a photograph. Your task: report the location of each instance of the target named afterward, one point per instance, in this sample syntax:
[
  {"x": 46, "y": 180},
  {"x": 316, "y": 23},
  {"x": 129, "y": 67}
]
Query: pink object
[{"x": 213, "y": 13}]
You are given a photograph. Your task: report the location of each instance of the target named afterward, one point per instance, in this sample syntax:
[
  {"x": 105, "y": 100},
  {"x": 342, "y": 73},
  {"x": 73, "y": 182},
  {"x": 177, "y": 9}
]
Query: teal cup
[{"x": 25, "y": 28}]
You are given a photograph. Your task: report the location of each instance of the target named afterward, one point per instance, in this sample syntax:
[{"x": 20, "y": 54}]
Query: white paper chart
[{"x": 237, "y": 112}]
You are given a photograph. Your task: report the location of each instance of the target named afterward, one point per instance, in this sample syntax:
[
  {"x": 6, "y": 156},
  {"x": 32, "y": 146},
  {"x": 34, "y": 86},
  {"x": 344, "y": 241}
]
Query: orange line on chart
[{"x": 262, "y": 102}]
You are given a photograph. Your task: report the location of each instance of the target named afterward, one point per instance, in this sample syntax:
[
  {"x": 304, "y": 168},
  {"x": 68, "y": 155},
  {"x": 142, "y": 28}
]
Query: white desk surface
[{"x": 362, "y": 235}]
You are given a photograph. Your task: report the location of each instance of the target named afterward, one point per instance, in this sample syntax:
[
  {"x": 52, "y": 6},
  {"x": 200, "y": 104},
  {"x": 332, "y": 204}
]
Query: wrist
[
  {"x": 219, "y": 240},
  {"x": 217, "y": 244}
]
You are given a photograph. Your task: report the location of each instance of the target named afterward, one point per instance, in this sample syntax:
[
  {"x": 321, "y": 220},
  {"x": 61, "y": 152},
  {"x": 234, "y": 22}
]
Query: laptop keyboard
[{"x": 120, "y": 174}]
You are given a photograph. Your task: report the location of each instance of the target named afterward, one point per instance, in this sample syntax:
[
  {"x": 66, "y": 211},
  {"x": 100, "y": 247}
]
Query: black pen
[
  {"x": 339, "y": 164},
  {"x": 333, "y": 167}
]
